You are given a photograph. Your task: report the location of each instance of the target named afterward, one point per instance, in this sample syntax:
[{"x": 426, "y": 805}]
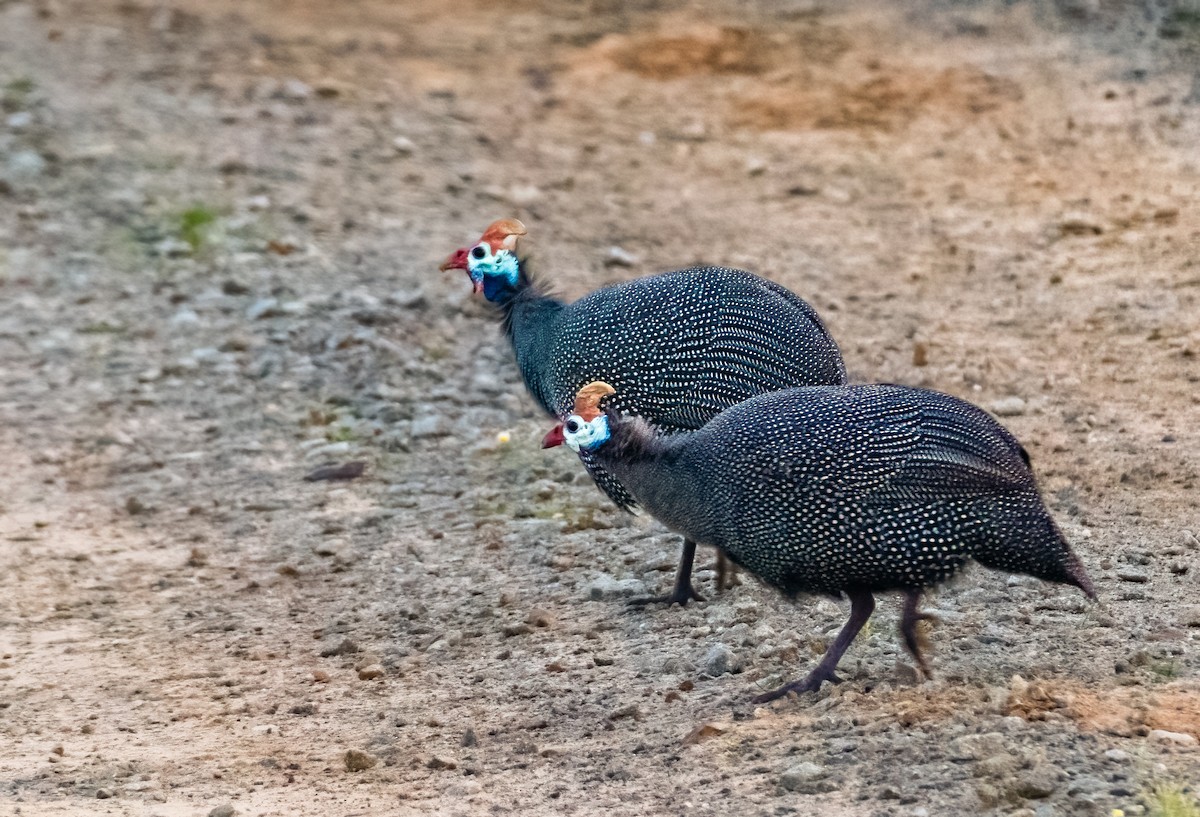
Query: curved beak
[
  {"x": 554, "y": 437},
  {"x": 458, "y": 260}
]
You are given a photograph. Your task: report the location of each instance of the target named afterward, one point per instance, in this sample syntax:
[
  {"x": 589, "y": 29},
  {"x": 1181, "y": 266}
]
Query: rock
[
  {"x": 1130, "y": 575},
  {"x": 19, "y": 121},
  {"x": 627, "y": 711},
  {"x": 1172, "y": 738},
  {"x": 1036, "y": 783},
  {"x": 370, "y": 672},
  {"x": 294, "y": 90},
  {"x": 407, "y": 298},
  {"x": 25, "y": 165},
  {"x": 440, "y": 762},
  {"x": 184, "y": 317},
  {"x": 1011, "y": 406},
  {"x": 806, "y": 778},
  {"x": 1079, "y": 224},
  {"x": 226, "y": 810},
  {"x": 703, "y": 732},
  {"x": 359, "y": 761},
  {"x": 920, "y": 354},
  {"x": 469, "y": 739},
  {"x": 264, "y": 308},
  {"x": 431, "y": 425},
  {"x": 403, "y": 146},
  {"x": 540, "y": 618},
  {"x": 719, "y": 660},
  {"x": 1117, "y": 756},
  {"x": 173, "y": 248},
  {"x": 607, "y": 587},
  {"x": 619, "y": 257},
  {"x": 103, "y": 794},
  {"x": 1086, "y": 786},
  {"x": 346, "y": 647}
]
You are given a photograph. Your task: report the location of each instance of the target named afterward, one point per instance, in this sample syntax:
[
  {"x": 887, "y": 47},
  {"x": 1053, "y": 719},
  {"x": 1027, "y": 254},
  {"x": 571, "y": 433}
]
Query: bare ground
[{"x": 219, "y": 230}]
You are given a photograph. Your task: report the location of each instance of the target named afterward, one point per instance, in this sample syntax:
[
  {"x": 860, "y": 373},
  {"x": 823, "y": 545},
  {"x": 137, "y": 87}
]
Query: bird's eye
[
  {"x": 572, "y": 427},
  {"x": 478, "y": 252}
]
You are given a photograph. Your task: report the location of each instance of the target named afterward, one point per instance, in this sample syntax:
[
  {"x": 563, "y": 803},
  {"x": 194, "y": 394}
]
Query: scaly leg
[
  {"x": 727, "y": 575},
  {"x": 862, "y": 604},
  {"x": 683, "y": 592},
  {"x": 914, "y": 642}
]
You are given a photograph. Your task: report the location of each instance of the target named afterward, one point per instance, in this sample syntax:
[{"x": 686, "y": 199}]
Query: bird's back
[
  {"x": 683, "y": 346},
  {"x": 877, "y": 487}
]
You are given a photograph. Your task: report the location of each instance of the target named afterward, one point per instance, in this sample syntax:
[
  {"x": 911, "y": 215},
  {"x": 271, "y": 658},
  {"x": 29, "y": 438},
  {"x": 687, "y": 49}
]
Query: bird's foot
[
  {"x": 810, "y": 683},
  {"x": 679, "y": 596}
]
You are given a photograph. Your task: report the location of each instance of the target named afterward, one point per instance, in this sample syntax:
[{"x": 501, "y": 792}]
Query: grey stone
[
  {"x": 19, "y": 121},
  {"x": 263, "y": 308},
  {"x": 225, "y": 810},
  {"x": 718, "y": 661},
  {"x": 607, "y": 587},
  {"x": 25, "y": 165},
  {"x": 806, "y": 778},
  {"x": 1036, "y": 783},
  {"x": 431, "y": 425}
]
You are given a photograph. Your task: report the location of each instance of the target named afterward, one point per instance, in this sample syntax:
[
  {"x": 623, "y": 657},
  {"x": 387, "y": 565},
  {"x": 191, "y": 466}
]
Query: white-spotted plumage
[{"x": 846, "y": 489}]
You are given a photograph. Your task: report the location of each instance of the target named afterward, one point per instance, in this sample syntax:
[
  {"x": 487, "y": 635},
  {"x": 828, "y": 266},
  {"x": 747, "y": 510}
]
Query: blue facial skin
[
  {"x": 497, "y": 273},
  {"x": 589, "y": 435}
]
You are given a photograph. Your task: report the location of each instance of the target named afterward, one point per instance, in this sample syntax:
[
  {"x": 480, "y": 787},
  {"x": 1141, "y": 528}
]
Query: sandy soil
[{"x": 219, "y": 229}]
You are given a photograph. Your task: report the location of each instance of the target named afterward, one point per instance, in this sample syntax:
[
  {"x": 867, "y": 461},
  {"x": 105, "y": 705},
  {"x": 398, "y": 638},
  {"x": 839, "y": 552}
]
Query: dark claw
[
  {"x": 811, "y": 683},
  {"x": 673, "y": 598}
]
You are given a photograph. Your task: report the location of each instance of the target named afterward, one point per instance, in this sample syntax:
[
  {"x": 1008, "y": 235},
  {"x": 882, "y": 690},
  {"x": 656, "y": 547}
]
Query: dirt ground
[{"x": 220, "y": 224}]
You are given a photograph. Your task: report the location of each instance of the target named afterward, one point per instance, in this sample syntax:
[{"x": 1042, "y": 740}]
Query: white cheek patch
[
  {"x": 589, "y": 435},
  {"x": 502, "y": 263}
]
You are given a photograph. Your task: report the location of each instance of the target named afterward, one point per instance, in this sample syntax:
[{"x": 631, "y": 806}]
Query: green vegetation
[
  {"x": 194, "y": 223},
  {"x": 1171, "y": 800},
  {"x": 14, "y": 95}
]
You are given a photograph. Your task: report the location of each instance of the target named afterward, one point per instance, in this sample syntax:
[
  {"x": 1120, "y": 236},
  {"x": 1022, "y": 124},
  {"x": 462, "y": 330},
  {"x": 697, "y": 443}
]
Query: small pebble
[
  {"x": 225, "y": 810},
  {"x": 619, "y": 257},
  {"x": 370, "y": 672},
  {"x": 1011, "y": 406}
]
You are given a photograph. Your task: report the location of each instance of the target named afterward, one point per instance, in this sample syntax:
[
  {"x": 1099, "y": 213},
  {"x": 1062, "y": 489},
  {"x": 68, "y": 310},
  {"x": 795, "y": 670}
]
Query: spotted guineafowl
[
  {"x": 681, "y": 346},
  {"x": 841, "y": 489}
]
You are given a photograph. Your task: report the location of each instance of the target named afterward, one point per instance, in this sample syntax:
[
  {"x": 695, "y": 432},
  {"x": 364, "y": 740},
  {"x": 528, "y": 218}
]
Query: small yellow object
[
  {"x": 503, "y": 438},
  {"x": 1117, "y": 812}
]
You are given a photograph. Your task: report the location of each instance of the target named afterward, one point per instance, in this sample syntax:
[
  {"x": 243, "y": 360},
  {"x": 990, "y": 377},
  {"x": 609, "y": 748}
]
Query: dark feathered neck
[
  {"x": 631, "y": 439},
  {"x": 517, "y": 303}
]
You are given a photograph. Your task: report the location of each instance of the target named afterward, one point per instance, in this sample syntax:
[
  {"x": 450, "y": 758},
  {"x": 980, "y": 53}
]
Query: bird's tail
[{"x": 1025, "y": 539}]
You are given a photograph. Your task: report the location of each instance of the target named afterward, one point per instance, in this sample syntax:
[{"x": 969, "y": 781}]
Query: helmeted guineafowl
[
  {"x": 842, "y": 489},
  {"x": 681, "y": 346}
]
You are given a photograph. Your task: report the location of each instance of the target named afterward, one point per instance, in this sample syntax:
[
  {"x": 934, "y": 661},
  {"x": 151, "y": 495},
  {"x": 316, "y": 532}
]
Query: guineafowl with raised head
[
  {"x": 848, "y": 490},
  {"x": 681, "y": 346}
]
